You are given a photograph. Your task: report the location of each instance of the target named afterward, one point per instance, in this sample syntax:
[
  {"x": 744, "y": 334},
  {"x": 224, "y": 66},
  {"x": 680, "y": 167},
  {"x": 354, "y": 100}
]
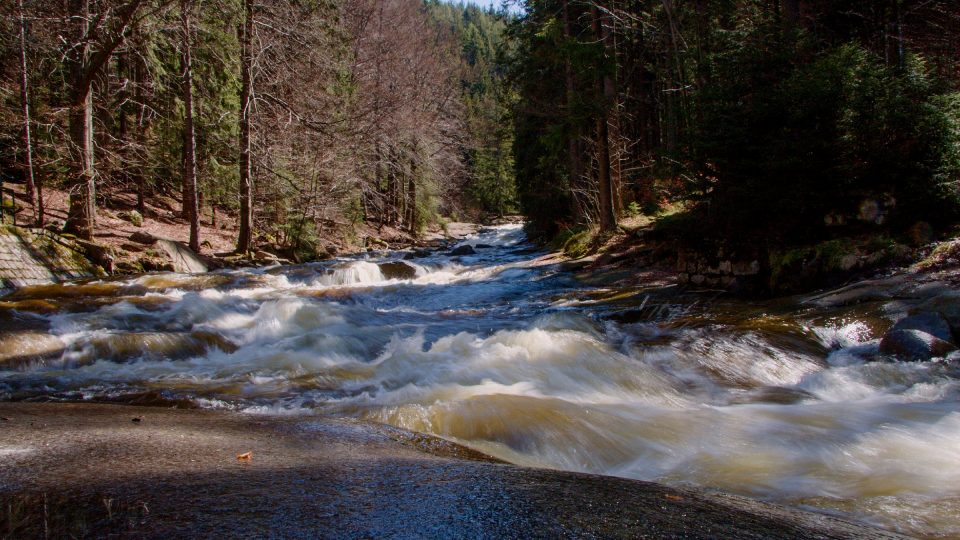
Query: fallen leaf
[
  {"x": 245, "y": 457},
  {"x": 673, "y": 497}
]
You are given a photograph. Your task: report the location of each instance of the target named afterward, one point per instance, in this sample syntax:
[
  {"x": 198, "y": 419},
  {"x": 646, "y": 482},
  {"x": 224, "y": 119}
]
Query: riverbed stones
[
  {"x": 398, "y": 270},
  {"x": 931, "y": 323},
  {"x": 417, "y": 254},
  {"x": 914, "y": 345},
  {"x": 465, "y": 249}
]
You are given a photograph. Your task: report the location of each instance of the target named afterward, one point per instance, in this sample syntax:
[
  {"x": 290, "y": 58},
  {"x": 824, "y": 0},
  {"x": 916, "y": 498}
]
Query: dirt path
[{"x": 94, "y": 470}]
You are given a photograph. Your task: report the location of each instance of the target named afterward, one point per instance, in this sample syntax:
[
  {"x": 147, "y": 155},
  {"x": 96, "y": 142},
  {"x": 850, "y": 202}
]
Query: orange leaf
[{"x": 245, "y": 457}]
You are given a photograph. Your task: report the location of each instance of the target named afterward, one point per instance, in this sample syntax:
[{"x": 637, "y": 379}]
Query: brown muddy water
[{"x": 781, "y": 401}]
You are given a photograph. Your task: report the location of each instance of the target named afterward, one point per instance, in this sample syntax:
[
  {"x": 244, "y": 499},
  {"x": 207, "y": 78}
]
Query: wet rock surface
[
  {"x": 465, "y": 249},
  {"x": 398, "y": 270},
  {"x": 152, "y": 473},
  {"x": 933, "y": 324},
  {"x": 914, "y": 345}
]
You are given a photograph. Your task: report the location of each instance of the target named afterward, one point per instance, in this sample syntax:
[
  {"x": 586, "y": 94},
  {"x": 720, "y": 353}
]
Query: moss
[
  {"x": 879, "y": 243},
  {"x": 574, "y": 242},
  {"x": 806, "y": 265},
  {"x": 787, "y": 261},
  {"x": 133, "y": 217},
  {"x": 945, "y": 254},
  {"x": 831, "y": 253}
]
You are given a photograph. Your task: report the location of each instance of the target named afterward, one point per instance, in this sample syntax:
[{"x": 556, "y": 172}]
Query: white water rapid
[{"x": 520, "y": 360}]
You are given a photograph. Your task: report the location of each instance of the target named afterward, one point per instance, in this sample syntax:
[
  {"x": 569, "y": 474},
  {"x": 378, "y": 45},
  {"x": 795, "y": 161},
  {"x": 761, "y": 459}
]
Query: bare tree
[
  {"x": 94, "y": 39},
  {"x": 190, "y": 207},
  {"x": 33, "y": 189},
  {"x": 245, "y": 236},
  {"x": 608, "y": 218}
]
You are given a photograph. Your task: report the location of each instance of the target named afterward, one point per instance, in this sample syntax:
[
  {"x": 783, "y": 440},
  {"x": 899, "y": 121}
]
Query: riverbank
[
  {"x": 644, "y": 252},
  {"x": 88, "y": 470},
  {"x": 130, "y": 242}
]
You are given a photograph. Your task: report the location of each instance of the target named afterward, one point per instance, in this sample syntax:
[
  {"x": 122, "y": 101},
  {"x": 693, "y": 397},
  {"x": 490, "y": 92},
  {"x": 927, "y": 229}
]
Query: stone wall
[
  {"x": 720, "y": 270},
  {"x": 37, "y": 256}
]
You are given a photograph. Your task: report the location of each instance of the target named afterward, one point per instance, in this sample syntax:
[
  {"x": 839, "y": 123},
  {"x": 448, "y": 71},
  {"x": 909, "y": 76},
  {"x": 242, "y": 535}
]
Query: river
[{"x": 515, "y": 357}]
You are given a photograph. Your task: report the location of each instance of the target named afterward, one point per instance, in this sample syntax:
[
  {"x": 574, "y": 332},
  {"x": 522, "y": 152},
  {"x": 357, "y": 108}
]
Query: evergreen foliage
[{"x": 774, "y": 120}]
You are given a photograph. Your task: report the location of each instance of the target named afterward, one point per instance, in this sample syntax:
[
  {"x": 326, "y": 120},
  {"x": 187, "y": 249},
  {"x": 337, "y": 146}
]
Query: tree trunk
[
  {"x": 791, "y": 13},
  {"x": 412, "y": 199},
  {"x": 32, "y": 189},
  {"x": 608, "y": 221},
  {"x": 574, "y": 147},
  {"x": 611, "y": 99},
  {"x": 136, "y": 171},
  {"x": 82, "y": 213},
  {"x": 82, "y": 67},
  {"x": 190, "y": 207},
  {"x": 393, "y": 187},
  {"x": 244, "y": 238},
  {"x": 378, "y": 183}
]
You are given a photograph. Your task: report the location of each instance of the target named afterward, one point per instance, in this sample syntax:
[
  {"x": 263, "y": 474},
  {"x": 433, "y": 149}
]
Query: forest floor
[
  {"x": 624, "y": 258},
  {"x": 636, "y": 255},
  {"x": 218, "y": 232}
]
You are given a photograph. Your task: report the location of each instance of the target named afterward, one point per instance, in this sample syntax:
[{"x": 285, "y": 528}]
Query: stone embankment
[
  {"x": 727, "y": 272},
  {"x": 37, "y": 256}
]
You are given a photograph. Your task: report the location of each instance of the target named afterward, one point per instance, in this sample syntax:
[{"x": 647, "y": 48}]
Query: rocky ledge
[{"x": 78, "y": 470}]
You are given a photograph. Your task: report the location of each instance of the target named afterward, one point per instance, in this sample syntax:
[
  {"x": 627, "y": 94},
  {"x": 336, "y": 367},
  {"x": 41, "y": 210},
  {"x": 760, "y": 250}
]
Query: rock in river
[
  {"x": 465, "y": 249},
  {"x": 914, "y": 345},
  {"x": 931, "y": 323},
  {"x": 398, "y": 270}
]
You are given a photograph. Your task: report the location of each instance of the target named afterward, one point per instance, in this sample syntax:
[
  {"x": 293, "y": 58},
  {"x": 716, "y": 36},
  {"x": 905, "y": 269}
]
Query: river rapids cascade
[{"x": 505, "y": 353}]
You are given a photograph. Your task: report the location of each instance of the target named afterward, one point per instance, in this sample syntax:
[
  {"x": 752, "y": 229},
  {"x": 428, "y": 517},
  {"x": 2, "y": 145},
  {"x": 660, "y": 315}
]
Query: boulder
[
  {"x": 914, "y": 345},
  {"x": 931, "y": 323},
  {"x": 182, "y": 258},
  {"x": 417, "y": 254},
  {"x": 465, "y": 249},
  {"x": 398, "y": 270},
  {"x": 947, "y": 304},
  {"x": 144, "y": 238},
  {"x": 265, "y": 256},
  {"x": 98, "y": 254}
]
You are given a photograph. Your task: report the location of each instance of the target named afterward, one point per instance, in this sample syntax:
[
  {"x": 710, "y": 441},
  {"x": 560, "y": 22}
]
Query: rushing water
[{"x": 517, "y": 358}]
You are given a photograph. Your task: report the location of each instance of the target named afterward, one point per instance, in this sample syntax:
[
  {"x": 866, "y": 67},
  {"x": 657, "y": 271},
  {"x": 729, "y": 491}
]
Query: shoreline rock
[{"x": 154, "y": 473}]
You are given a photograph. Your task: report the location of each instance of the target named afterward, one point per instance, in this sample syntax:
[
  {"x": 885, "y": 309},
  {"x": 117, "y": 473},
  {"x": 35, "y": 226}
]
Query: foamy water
[{"x": 506, "y": 356}]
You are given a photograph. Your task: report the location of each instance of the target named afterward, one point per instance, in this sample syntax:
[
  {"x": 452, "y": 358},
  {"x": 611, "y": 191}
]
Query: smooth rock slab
[{"x": 166, "y": 473}]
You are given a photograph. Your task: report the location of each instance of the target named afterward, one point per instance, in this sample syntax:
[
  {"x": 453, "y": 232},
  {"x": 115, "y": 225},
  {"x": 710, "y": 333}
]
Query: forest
[
  {"x": 302, "y": 119},
  {"x": 747, "y": 122},
  {"x": 763, "y": 119}
]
